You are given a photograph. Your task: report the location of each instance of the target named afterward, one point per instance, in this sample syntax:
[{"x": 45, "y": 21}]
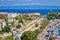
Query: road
[
  {"x": 30, "y": 25},
  {"x": 41, "y": 36}
]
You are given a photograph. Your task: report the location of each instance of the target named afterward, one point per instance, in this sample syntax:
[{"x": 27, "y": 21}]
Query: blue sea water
[{"x": 29, "y": 9}]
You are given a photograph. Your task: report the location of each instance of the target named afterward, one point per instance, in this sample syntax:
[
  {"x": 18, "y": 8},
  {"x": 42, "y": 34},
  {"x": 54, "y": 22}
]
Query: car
[
  {"x": 47, "y": 36},
  {"x": 14, "y": 29}
]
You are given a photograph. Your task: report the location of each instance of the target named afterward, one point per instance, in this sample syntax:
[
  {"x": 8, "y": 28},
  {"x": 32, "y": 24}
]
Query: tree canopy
[
  {"x": 45, "y": 24},
  {"x": 19, "y": 26},
  {"x": 29, "y": 35},
  {"x": 52, "y": 15},
  {"x": 10, "y": 38},
  {"x": 0, "y": 38},
  {"x": 36, "y": 24},
  {"x": 37, "y": 31},
  {"x": 51, "y": 38}
]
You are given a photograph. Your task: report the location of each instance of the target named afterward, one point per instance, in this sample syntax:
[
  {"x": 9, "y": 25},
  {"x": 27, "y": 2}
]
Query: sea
[{"x": 43, "y": 10}]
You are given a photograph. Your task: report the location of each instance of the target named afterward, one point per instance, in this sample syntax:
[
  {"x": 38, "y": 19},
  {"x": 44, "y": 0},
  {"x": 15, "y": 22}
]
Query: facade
[
  {"x": 12, "y": 15},
  {"x": 17, "y": 36},
  {"x": 31, "y": 14},
  {"x": 44, "y": 19},
  {"x": 10, "y": 20},
  {"x": 2, "y": 15},
  {"x": 2, "y": 24},
  {"x": 58, "y": 13},
  {"x": 2, "y": 20}
]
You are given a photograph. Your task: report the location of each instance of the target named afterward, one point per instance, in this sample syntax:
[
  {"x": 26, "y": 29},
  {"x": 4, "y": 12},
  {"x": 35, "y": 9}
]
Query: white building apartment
[
  {"x": 12, "y": 15},
  {"x": 59, "y": 13},
  {"x": 2, "y": 24},
  {"x": 31, "y": 14}
]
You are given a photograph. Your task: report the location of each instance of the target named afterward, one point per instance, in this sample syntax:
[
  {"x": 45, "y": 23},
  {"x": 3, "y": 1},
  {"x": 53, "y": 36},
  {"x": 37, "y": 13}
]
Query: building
[
  {"x": 11, "y": 19},
  {"x": 44, "y": 19},
  {"x": 31, "y": 14},
  {"x": 12, "y": 15},
  {"x": 2, "y": 20},
  {"x": 17, "y": 36},
  {"x": 2, "y": 15},
  {"x": 59, "y": 13},
  {"x": 2, "y": 24}
]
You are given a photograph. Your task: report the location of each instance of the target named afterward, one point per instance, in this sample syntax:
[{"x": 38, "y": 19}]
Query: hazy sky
[{"x": 29, "y": 2}]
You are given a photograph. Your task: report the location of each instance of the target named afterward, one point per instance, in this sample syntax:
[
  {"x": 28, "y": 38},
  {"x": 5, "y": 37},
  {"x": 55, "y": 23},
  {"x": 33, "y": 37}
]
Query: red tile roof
[{"x": 2, "y": 15}]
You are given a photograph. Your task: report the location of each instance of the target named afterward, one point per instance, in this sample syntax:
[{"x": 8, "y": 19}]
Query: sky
[{"x": 29, "y": 2}]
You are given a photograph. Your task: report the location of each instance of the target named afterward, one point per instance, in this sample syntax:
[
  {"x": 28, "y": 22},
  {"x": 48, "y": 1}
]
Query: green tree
[
  {"x": 36, "y": 25},
  {"x": 17, "y": 17},
  {"x": 6, "y": 29},
  {"x": 12, "y": 23},
  {"x": 51, "y": 38},
  {"x": 37, "y": 31},
  {"x": 45, "y": 24},
  {"x": 0, "y": 38},
  {"x": 29, "y": 35},
  {"x": 19, "y": 26},
  {"x": 10, "y": 38},
  {"x": 52, "y": 15},
  {"x": 59, "y": 16},
  {"x": 20, "y": 18}
]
